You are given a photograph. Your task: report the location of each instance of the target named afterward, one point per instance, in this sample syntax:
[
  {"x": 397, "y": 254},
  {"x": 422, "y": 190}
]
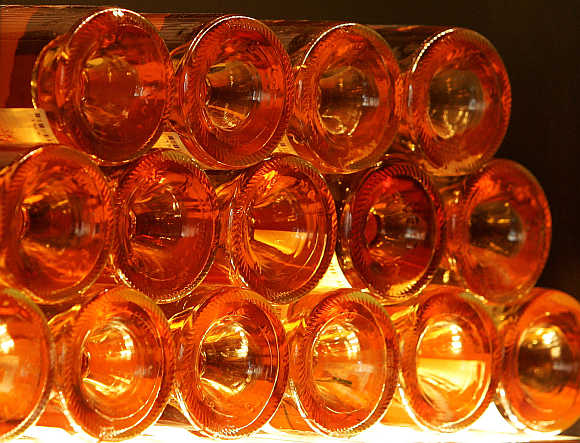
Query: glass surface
[
  {"x": 167, "y": 225},
  {"x": 540, "y": 383},
  {"x": 26, "y": 363},
  {"x": 344, "y": 362},
  {"x": 233, "y": 361},
  {"x": 500, "y": 229},
  {"x": 115, "y": 363},
  {"x": 455, "y": 97},
  {"x": 450, "y": 360},
  {"x": 234, "y": 92},
  {"x": 392, "y": 229},
  {"x": 344, "y": 118},
  {"x": 58, "y": 236}
]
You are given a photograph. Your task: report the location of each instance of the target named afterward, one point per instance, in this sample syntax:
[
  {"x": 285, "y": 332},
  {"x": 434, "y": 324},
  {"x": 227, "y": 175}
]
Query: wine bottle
[
  {"x": 344, "y": 117},
  {"x": 232, "y": 361},
  {"x": 278, "y": 228},
  {"x": 115, "y": 365},
  {"x": 55, "y": 228},
  {"x": 166, "y": 225},
  {"x": 453, "y": 97},
  {"x": 539, "y": 385},
  {"x": 26, "y": 363},
  {"x": 233, "y": 87},
  {"x": 499, "y": 228},
  {"x": 101, "y": 80},
  {"x": 343, "y": 364},
  {"x": 451, "y": 356},
  {"x": 392, "y": 229}
]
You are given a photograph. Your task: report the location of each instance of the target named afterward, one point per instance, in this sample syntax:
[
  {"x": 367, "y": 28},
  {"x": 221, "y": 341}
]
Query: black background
[{"x": 538, "y": 41}]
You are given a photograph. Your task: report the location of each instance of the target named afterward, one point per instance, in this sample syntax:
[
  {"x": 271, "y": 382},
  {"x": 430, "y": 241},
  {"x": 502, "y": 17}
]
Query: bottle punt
[
  {"x": 56, "y": 224},
  {"x": 167, "y": 225},
  {"x": 344, "y": 117},
  {"x": 343, "y": 363},
  {"x": 450, "y": 359},
  {"x": 232, "y": 365},
  {"x": 105, "y": 85},
  {"x": 234, "y": 91},
  {"x": 501, "y": 229},
  {"x": 281, "y": 228},
  {"x": 392, "y": 231},
  {"x": 454, "y": 97},
  {"x": 116, "y": 364},
  {"x": 539, "y": 390}
]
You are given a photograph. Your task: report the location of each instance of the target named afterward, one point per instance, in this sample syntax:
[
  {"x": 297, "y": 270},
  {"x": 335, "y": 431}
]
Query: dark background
[{"x": 538, "y": 41}]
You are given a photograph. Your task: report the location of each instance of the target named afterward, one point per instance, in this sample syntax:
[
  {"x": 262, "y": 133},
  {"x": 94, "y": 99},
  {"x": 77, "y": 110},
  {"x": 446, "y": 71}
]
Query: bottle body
[
  {"x": 55, "y": 231},
  {"x": 539, "y": 389},
  {"x": 453, "y": 99},
  {"x": 166, "y": 224},
  {"x": 343, "y": 364},
  {"x": 344, "y": 116},
  {"x": 103, "y": 84},
  {"x": 392, "y": 229},
  {"x": 26, "y": 364},
  {"x": 499, "y": 231},
  {"x": 450, "y": 358},
  {"x": 278, "y": 229},
  {"x": 233, "y": 87},
  {"x": 115, "y": 362},
  {"x": 232, "y": 365}
]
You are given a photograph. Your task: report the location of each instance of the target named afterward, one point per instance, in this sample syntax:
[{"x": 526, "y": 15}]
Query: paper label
[
  {"x": 25, "y": 126},
  {"x": 171, "y": 140},
  {"x": 284, "y": 147}
]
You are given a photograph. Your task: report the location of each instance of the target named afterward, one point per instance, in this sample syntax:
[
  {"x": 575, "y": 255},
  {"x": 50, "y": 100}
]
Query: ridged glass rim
[
  {"x": 222, "y": 303},
  {"x": 77, "y": 411},
  {"x": 451, "y": 301},
  {"x": 203, "y": 42},
  {"x": 77, "y": 42},
  {"x": 511, "y": 394},
  {"x": 40, "y": 322},
  {"x": 424, "y": 67},
  {"x": 359, "y": 206},
  {"x": 243, "y": 199},
  {"x": 20, "y": 174},
  {"x": 306, "y": 393},
  {"x": 309, "y": 72},
  {"x": 460, "y": 235},
  {"x": 127, "y": 186}
]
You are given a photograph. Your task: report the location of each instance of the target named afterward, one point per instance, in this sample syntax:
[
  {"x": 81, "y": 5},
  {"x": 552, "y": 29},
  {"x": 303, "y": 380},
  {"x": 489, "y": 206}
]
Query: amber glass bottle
[
  {"x": 232, "y": 365},
  {"x": 344, "y": 116},
  {"x": 391, "y": 229},
  {"x": 55, "y": 225},
  {"x": 343, "y": 364},
  {"x": 499, "y": 229},
  {"x": 450, "y": 360},
  {"x": 539, "y": 389},
  {"x": 26, "y": 362},
  {"x": 166, "y": 225},
  {"x": 278, "y": 228},
  {"x": 115, "y": 364},
  {"x": 453, "y": 98},
  {"x": 233, "y": 87},
  {"x": 100, "y": 78}
]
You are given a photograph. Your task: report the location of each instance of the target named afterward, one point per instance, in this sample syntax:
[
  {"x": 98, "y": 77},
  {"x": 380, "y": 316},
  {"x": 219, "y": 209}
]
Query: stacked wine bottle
[{"x": 237, "y": 226}]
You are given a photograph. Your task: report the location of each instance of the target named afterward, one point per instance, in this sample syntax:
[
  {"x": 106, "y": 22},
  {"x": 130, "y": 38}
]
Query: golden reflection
[{"x": 6, "y": 341}]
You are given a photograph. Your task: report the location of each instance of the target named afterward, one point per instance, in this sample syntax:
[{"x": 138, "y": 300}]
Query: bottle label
[
  {"x": 284, "y": 147},
  {"x": 25, "y": 126},
  {"x": 171, "y": 140}
]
